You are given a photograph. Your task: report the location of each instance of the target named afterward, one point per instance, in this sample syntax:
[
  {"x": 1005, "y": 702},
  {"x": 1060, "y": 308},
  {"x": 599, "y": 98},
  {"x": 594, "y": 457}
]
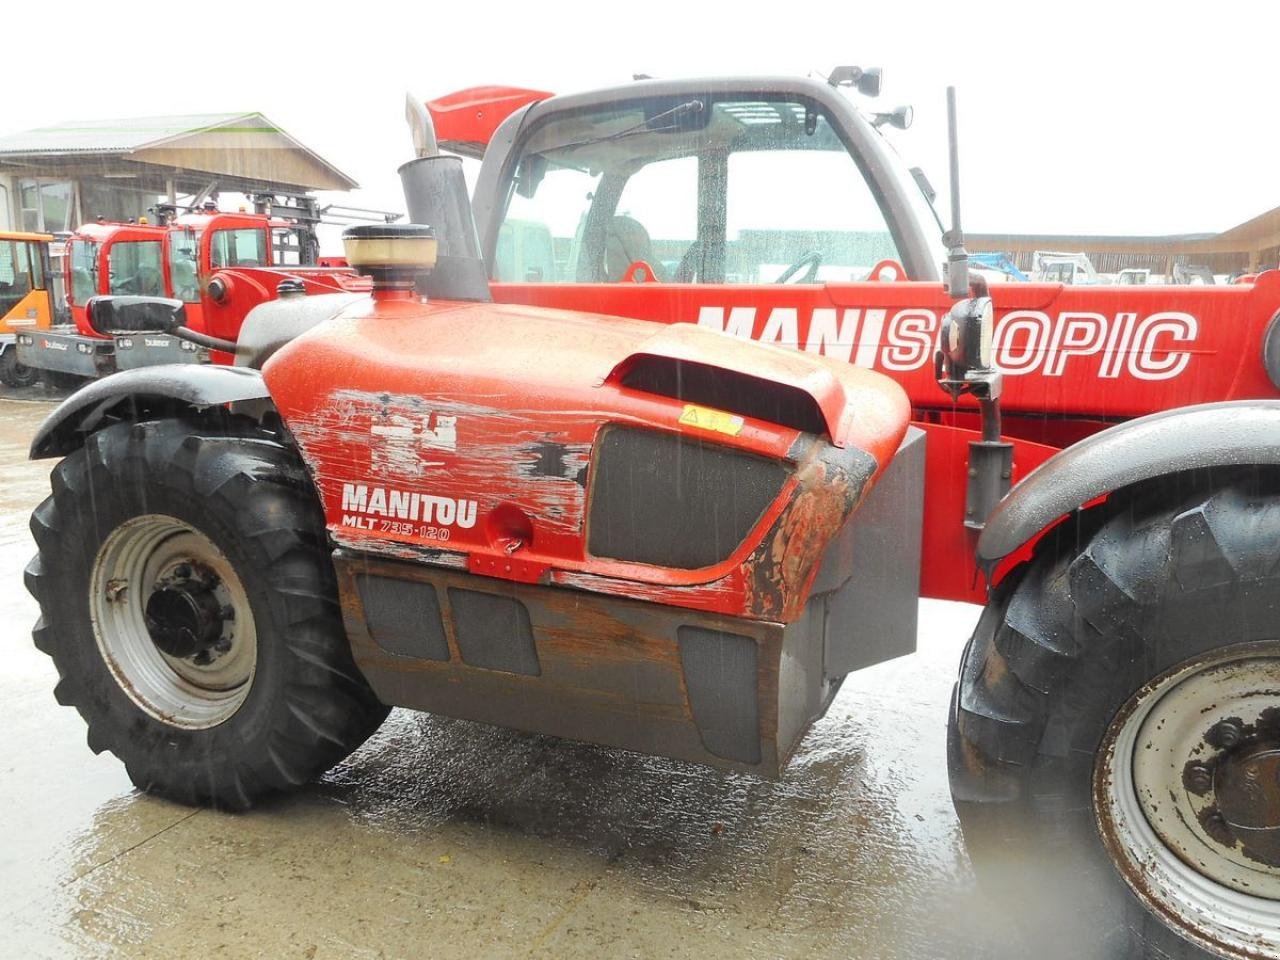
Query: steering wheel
[
  {"x": 813, "y": 259},
  {"x": 888, "y": 271}
]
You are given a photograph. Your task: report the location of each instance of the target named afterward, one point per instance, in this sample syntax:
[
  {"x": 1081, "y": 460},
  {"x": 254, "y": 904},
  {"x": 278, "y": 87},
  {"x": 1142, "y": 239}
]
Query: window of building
[{"x": 47, "y": 205}]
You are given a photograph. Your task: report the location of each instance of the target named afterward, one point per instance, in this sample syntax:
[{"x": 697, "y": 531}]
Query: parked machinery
[{"x": 537, "y": 512}]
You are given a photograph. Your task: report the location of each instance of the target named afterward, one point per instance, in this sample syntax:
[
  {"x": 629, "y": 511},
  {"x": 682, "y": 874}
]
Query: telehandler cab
[{"x": 672, "y": 540}]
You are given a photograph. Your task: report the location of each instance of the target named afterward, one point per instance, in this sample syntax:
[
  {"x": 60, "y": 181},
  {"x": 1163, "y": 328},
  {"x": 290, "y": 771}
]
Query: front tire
[
  {"x": 1115, "y": 735},
  {"x": 15, "y": 374},
  {"x": 189, "y": 604}
]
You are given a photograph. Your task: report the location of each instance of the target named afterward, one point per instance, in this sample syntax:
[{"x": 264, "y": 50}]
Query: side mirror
[
  {"x": 963, "y": 363},
  {"x": 111, "y": 315}
]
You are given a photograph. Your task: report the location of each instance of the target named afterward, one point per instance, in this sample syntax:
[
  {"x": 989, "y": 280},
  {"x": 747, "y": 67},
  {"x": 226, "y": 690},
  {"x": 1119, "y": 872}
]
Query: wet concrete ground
[{"x": 449, "y": 839}]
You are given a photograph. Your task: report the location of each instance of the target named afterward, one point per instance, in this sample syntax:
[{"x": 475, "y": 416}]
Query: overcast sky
[{"x": 1075, "y": 116}]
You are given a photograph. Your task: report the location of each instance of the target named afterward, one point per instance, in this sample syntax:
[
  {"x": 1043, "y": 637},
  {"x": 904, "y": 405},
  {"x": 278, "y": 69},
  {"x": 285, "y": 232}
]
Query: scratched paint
[
  {"x": 451, "y": 449},
  {"x": 527, "y": 472},
  {"x": 429, "y": 438}
]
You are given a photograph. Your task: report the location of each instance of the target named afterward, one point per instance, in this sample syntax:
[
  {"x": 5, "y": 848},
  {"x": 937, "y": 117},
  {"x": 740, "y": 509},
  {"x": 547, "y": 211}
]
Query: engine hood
[
  {"x": 548, "y": 446},
  {"x": 567, "y": 359}
]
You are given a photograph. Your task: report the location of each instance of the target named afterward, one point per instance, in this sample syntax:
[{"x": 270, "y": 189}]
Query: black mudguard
[
  {"x": 1236, "y": 433},
  {"x": 145, "y": 393}
]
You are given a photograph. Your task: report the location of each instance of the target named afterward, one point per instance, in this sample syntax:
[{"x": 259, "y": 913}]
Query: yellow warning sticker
[{"x": 705, "y": 418}]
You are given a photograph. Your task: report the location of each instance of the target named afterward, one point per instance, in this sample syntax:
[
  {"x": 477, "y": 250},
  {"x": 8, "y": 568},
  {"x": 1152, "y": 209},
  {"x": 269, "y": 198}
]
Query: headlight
[
  {"x": 219, "y": 288},
  {"x": 986, "y": 332},
  {"x": 967, "y": 333},
  {"x": 1271, "y": 351}
]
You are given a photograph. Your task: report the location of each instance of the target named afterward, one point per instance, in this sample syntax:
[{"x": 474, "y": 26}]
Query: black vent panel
[
  {"x": 494, "y": 632},
  {"x": 675, "y": 501},
  {"x": 403, "y": 617},
  {"x": 730, "y": 390}
]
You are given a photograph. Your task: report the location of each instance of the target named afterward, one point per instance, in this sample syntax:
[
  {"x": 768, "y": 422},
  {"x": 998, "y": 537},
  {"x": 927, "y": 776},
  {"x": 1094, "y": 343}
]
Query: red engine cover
[{"x": 461, "y": 434}]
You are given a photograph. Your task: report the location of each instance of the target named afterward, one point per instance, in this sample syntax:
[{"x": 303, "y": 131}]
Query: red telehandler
[
  {"x": 665, "y": 538},
  {"x": 774, "y": 209},
  {"x": 220, "y": 265}
]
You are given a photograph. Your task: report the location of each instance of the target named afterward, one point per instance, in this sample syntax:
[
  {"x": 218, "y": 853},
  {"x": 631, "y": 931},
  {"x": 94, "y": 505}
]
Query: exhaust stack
[{"x": 435, "y": 193}]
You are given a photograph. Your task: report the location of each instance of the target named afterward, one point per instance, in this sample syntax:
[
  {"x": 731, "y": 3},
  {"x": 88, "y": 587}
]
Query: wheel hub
[
  {"x": 1187, "y": 797},
  {"x": 185, "y": 619},
  {"x": 173, "y": 622},
  {"x": 1246, "y": 785}
]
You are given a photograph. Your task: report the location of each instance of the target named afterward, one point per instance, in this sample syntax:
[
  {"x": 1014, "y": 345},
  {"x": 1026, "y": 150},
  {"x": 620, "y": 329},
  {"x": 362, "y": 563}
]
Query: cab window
[
  {"x": 84, "y": 270},
  {"x": 796, "y": 215},
  {"x": 238, "y": 248},
  {"x": 15, "y": 277},
  {"x": 286, "y": 247},
  {"x": 703, "y": 191},
  {"x": 134, "y": 267},
  {"x": 540, "y": 236},
  {"x": 184, "y": 247}
]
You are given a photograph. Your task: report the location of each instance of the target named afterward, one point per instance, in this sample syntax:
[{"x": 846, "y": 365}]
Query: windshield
[
  {"x": 184, "y": 246},
  {"x": 134, "y": 268},
  {"x": 745, "y": 189}
]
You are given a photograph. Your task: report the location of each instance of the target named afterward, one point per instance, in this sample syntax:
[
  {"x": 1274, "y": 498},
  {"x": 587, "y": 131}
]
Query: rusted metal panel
[{"x": 610, "y": 668}]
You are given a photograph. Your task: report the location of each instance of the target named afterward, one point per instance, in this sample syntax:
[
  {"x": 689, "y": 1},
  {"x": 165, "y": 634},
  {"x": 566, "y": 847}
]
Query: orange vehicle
[{"x": 26, "y": 302}]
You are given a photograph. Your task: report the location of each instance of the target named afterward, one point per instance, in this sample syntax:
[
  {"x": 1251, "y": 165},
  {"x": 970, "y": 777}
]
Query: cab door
[
  {"x": 24, "y": 289},
  {"x": 236, "y": 246}
]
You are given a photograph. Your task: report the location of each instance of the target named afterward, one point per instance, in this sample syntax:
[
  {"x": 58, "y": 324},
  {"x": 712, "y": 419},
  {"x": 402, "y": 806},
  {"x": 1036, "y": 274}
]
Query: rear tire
[
  {"x": 1158, "y": 612},
  {"x": 15, "y": 374},
  {"x": 189, "y": 604}
]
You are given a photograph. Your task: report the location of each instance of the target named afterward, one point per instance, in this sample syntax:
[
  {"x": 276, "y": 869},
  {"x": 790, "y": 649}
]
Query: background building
[
  {"x": 1249, "y": 246},
  {"x": 55, "y": 178}
]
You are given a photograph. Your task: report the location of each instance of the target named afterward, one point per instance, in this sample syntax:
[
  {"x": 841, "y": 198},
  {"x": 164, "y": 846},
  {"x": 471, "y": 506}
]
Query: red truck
[{"x": 218, "y": 264}]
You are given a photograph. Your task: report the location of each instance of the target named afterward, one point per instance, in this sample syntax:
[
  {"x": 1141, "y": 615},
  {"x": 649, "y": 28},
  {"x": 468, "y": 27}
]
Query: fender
[
  {"x": 1186, "y": 438},
  {"x": 149, "y": 391}
]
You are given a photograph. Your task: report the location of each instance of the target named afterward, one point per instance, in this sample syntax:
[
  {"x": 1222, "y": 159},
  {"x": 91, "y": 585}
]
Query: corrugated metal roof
[{"x": 113, "y": 136}]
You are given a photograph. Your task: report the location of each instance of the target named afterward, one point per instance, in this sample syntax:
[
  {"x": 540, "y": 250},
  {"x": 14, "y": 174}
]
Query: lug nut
[
  {"x": 1197, "y": 777},
  {"x": 1225, "y": 734}
]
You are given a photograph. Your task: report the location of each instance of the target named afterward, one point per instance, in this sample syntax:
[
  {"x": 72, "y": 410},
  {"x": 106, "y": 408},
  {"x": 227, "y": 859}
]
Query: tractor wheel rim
[
  {"x": 173, "y": 622},
  {"x": 1196, "y": 847}
]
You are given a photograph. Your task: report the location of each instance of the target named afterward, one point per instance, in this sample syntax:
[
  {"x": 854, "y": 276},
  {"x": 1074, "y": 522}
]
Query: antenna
[{"x": 957, "y": 256}]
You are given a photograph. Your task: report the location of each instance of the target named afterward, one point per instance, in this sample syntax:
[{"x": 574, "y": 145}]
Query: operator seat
[{"x": 626, "y": 241}]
